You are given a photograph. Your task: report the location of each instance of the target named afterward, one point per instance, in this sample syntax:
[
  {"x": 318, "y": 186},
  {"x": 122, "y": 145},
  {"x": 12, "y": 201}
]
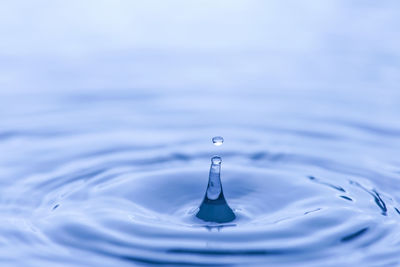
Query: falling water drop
[
  {"x": 214, "y": 207},
  {"x": 217, "y": 140}
]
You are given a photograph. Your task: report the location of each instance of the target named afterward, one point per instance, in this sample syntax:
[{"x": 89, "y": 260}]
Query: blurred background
[
  {"x": 184, "y": 70},
  {"x": 196, "y": 46},
  {"x": 167, "y": 69},
  {"x": 222, "y": 66}
]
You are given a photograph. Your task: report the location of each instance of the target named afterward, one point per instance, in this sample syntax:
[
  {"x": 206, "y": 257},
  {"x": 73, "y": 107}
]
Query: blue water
[
  {"x": 107, "y": 111},
  {"x": 214, "y": 207}
]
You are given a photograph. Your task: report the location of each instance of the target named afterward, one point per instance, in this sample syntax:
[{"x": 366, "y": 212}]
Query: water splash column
[{"x": 214, "y": 207}]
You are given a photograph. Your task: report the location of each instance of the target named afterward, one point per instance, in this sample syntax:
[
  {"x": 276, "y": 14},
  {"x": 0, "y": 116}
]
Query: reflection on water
[{"x": 106, "y": 112}]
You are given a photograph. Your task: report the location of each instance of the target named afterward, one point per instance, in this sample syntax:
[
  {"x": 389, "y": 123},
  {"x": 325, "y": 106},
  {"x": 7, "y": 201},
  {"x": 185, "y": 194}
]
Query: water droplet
[
  {"x": 216, "y": 160},
  {"x": 217, "y": 140}
]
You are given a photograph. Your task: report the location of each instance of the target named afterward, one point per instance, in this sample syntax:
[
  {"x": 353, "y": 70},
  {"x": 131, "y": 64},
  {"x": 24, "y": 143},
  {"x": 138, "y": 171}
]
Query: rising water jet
[{"x": 214, "y": 207}]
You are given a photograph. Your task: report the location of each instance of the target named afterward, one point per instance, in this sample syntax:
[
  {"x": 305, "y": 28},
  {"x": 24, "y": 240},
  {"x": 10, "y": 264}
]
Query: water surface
[{"x": 106, "y": 117}]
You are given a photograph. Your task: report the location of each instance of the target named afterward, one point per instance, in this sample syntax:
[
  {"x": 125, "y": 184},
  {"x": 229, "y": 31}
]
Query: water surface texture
[{"x": 107, "y": 110}]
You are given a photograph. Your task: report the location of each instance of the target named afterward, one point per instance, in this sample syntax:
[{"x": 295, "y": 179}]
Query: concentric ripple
[{"x": 112, "y": 208}]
